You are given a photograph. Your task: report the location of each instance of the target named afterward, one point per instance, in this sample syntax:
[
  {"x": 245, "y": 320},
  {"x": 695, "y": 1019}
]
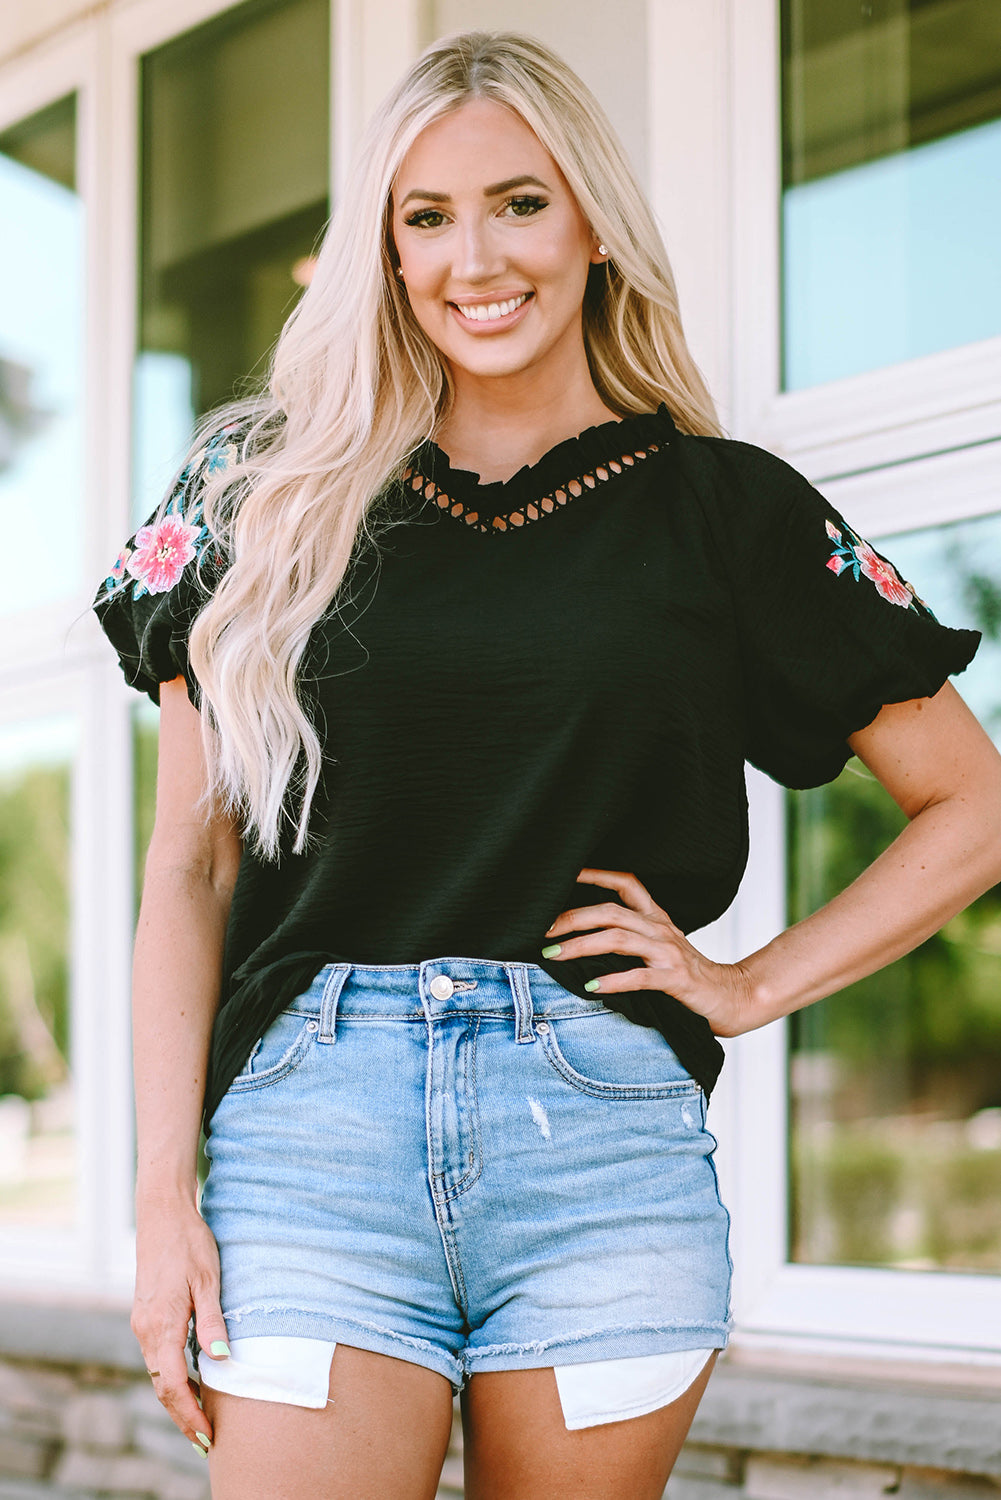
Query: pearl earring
[
  {"x": 399, "y": 272},
  {"x": 602, "y": 249}
]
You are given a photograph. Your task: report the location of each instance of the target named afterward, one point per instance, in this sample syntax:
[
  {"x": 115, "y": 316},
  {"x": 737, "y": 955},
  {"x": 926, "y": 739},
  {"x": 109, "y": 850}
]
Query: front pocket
[
  {"x": 276, "y": 1054},
  {"x": 608, "y": 1055}
]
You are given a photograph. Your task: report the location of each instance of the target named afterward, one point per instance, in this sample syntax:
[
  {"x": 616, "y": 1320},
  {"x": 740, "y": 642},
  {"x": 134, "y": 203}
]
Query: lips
[{"x": 490, "y": 317}]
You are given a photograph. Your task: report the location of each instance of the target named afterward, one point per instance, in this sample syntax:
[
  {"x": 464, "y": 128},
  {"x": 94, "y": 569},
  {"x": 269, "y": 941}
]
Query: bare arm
[
  {"x": 191, "y": 870},
  {"x": 941, "y": 768}
]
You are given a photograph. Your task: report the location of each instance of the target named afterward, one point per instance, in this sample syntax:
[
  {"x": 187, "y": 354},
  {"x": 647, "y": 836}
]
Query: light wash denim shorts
[{"x": 462, "y": 1164}]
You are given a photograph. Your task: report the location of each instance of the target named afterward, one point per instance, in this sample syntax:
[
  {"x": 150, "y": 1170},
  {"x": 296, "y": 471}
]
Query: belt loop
[
  {"x": 523, "y": 1009},
  {"x": 328, "y": 1005}
]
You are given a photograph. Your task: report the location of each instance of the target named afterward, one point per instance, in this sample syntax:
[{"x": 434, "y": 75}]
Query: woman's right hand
[{"x": 177, "y": 1273}]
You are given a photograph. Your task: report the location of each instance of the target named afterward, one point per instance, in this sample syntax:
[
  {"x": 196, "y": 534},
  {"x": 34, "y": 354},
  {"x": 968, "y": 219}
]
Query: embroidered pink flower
[
  {"x": 886, "y": 578},
  {"x": 162, "y": 552},
  {"x": 853, "y": 554},
  {"x": 118, "y": 568}
]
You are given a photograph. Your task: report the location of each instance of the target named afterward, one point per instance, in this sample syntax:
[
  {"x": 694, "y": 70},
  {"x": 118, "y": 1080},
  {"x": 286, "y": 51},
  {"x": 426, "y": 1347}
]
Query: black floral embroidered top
[{"x": 566, "y": 669}]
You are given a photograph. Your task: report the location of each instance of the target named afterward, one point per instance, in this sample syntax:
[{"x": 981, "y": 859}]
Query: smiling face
[{"x": 493, "y": 247}]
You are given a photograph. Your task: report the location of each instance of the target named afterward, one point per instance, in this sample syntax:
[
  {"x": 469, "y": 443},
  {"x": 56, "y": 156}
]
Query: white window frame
[
  {"x": 48, "y": 667},
  {"x": 891, "y": 448}
]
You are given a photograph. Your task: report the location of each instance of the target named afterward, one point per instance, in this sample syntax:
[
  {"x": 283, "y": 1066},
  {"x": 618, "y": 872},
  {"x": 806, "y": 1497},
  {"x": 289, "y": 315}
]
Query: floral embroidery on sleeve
[
  {"x": 853, "y": 553},
  {"x": 158, "y": 554}
]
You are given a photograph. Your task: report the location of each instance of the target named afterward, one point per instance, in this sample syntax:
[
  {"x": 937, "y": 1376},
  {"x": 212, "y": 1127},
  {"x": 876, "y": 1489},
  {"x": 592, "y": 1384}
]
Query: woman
[{"x": 483, "y": 613}]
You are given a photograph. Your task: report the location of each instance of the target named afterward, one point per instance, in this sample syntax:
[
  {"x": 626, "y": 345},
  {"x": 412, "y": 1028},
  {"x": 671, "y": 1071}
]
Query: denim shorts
[{"x": 462, "y": 1164}]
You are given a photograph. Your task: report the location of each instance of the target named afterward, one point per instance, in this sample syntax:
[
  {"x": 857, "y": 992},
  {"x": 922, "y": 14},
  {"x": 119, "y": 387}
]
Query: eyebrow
[{"x": 488, "y": 192}]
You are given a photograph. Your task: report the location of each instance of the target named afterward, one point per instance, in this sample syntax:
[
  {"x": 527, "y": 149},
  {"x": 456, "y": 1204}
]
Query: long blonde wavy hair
[{"x": 355, "y": 386}]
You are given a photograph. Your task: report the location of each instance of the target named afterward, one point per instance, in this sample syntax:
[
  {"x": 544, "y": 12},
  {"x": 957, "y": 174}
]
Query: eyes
[{"x": 523, "y": 207}]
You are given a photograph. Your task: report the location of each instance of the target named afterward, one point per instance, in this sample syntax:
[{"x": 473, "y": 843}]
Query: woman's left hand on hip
[{"x": 720, "y": 992}]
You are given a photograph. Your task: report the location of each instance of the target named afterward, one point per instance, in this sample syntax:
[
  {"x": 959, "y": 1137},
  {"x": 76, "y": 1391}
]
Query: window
[
  {"x": 861, "y": 1136},
  {"x": 234, "y": 199},
  {"x": 892, "y": 138},
  {"x": 41, "y": 373},
  {"x": 37, "y": 1109},
  {"x": 895, "y": 1083},
  {"x": 41, "y": 491}
]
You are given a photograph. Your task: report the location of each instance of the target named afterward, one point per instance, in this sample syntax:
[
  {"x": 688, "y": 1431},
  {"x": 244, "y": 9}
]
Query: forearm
[
  {"x": 176, "y": 981},
  {"x": 945, "y": 857}
]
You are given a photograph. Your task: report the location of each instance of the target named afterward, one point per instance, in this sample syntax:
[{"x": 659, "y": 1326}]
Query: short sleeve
[
  {"x": 829, "y": 632},
  {"x": 164, "y": 575}
]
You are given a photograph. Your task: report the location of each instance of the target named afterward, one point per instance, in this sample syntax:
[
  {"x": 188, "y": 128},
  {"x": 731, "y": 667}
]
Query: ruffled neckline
[{"x": 574, "y": 459}]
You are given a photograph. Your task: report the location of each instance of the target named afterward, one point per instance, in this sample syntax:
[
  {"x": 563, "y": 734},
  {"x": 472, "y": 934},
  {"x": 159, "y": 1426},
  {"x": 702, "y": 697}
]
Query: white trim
[
  {"x": 929, "y": 492},
  {"x": 902, "y": 412},
  {"x": 954, "y": 1318},
  {"x": 141, "y": 25},
  {"x": 104, "y": 915},
  {"x": 42, "y": 74},
  {"x": 371, "y": 46},
  {"x": 688, "y": 152},
  {"x": 754, "y": 186}
]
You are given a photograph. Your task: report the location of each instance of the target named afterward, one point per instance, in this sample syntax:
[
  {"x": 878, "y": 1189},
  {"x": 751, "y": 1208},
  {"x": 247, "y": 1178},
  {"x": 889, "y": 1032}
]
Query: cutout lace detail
[{"x": 533, "y": 510}]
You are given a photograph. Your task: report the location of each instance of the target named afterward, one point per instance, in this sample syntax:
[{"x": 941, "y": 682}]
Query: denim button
[
  {"x": 542, "y": 1026},
  {"x": 441, "y": 986},
  {"x": 312, "y": 1025}
]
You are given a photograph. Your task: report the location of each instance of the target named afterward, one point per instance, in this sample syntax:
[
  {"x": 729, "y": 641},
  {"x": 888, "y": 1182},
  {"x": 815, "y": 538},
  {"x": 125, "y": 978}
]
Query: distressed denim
[{"x": 462, "y": 1164}]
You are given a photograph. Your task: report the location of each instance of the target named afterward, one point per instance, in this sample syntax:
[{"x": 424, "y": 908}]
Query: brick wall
[{"x": 91, "y": 1432}]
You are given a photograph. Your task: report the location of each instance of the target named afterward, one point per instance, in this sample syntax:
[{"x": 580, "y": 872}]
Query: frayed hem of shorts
[
  {"x": 305, "y": 1322},
  {"x": 597, "y": 1344}
]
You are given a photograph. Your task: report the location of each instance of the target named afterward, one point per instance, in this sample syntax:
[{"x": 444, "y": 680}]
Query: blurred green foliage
[
  {"x": 34, "y": 929},
  {"x": 934, "y": 1008},
  {"x": 895, "y": 1082}
]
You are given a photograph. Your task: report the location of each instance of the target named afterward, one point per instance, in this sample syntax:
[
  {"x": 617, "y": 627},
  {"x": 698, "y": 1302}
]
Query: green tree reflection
[
  {"x": 34, "y": 924},
  {"x": 896, "y": 1082}
]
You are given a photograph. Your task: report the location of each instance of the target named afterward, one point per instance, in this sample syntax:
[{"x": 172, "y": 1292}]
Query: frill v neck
[{"x": 594, "y": 457}]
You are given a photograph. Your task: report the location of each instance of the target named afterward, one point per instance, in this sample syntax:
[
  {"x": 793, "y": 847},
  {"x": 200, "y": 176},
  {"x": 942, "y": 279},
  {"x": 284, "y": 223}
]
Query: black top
[{"x": 527, "y": 677}]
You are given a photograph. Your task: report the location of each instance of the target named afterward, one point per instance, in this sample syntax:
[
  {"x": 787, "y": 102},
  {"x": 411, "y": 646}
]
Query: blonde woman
[{"x": 462, "y": 633}]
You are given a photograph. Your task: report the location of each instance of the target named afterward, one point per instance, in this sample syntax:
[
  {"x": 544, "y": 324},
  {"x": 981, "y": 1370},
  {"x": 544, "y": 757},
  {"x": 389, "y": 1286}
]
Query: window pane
[
  {"x": 896, "y": 1082},
  {"x": 234, "y": 199},
  {"x": 41, "y": 376},
  {"x": 891, "y": 156},
  {"x": 37, "y": 1140}
]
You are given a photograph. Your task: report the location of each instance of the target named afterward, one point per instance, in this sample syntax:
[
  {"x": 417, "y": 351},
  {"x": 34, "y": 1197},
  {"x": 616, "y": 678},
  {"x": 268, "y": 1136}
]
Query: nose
[{"x": 477, "y": 256}]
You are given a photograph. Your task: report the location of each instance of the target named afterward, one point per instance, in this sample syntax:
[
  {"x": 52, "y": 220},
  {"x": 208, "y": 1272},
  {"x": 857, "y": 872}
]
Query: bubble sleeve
[
  {"x": 829, "y": 631},
  {"x": 164, "y": 575}
]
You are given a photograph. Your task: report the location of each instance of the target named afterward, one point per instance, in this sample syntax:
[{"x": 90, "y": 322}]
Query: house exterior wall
[{"x": 840, "y": 1381}]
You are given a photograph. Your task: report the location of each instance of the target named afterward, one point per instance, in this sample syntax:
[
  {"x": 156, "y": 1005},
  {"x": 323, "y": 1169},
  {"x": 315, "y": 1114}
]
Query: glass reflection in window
[
  {"x": 234, "y": 203},
  {"x": 895, "y": 1083},
  {"x": 37, "y": 1134},
  {"x": 41, "y": 349},
  {"x": 891, "y": 215}
]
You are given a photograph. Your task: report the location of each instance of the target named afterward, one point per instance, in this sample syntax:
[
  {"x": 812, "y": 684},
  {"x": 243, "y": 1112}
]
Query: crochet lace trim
[{"x": 532, "y": 510}]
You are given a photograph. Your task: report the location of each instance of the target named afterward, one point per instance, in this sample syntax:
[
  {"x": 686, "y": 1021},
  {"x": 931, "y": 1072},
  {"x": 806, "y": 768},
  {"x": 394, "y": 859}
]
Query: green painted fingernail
[
  {"x": 219, "y": 1346},
  {"x": 592, "y": 984},
  {"x": 199, "y": 1450},
  {"x": 204, "y": 1439},
  {"x": 551, "y": 951}
]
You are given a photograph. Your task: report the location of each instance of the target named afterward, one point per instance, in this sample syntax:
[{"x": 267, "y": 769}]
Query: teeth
[{"x": 486, "y": 312}]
